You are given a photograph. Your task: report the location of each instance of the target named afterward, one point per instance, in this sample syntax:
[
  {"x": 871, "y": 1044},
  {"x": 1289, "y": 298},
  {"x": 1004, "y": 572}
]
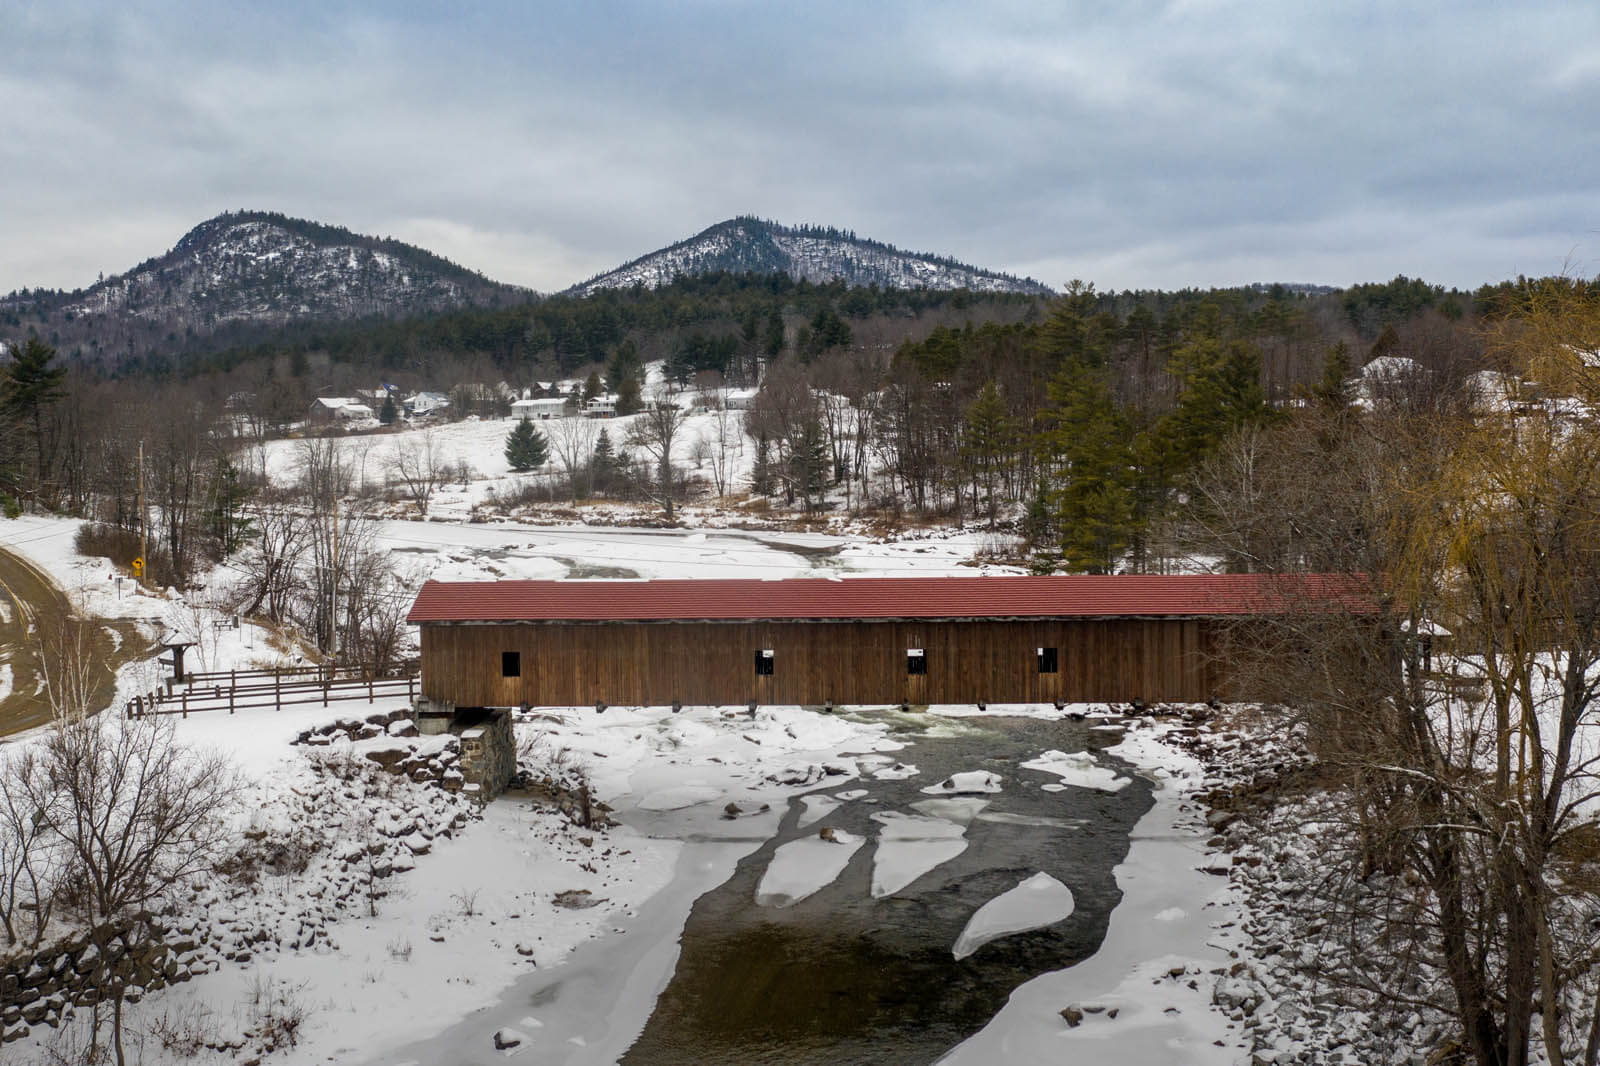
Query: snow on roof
[
  {"x": 1077, "y": 596},
  {"x": 1390, "y": 366}
]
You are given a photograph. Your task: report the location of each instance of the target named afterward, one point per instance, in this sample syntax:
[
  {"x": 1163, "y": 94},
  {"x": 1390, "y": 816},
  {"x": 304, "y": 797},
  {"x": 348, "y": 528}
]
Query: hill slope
[
  {"x": 751, "y": 245},
  {"x": 256, "y": 269}
]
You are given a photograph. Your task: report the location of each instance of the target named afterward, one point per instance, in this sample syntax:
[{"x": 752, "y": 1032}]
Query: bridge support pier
[{"x": 488, "y": 742}]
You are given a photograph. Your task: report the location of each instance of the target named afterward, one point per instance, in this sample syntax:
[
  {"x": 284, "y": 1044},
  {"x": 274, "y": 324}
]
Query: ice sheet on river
[
  {"x": 910, "y": 845},
  {"x": 1078, "y": 768},
  {"x": 803, "y": 867},
  {"x": 968, "y": 783},
  {"x": 1039, "y": 901}
]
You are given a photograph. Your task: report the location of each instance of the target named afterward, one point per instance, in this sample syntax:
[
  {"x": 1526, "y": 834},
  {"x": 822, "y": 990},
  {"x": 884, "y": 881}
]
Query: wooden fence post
[
  {"x": 233, "y": 685},
  {"x": 277, "y": 692},
  {"x": 185, "y": 705}
]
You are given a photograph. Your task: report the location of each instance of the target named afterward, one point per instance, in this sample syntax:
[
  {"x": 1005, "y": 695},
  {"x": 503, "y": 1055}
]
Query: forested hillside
[{"x": 1082, "y": 424}]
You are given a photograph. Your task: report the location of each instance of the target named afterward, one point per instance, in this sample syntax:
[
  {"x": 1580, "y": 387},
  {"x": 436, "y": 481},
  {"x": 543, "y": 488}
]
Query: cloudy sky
[{"x": 1135, "y": 144}]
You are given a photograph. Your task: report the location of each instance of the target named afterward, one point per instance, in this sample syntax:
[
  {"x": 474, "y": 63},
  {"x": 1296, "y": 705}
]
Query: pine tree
[
  {"x": 1220, "y": 391},
  {"x": 526, "y": 448},
  {"x": 761, "y": 473},
  {"x": 229, "y": 524},
  {"x": 629, "y": 400},
  {"x": 31, "y": 384},
  {"x": 809, "y": 462},
  {"x": 1330, "y": 391},
  {"x": 602, "y": 465},
  {"x": 988, "y": 445},
  {"x": 624, "y": 364},
  {"x": 592, "y": 387},
  {"x": 387, "y": 413},
  {"x": 1087, "y": 442}
]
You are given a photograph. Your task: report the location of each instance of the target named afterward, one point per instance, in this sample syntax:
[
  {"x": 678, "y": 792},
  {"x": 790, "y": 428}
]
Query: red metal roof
[{"x": 822, "y": 599}]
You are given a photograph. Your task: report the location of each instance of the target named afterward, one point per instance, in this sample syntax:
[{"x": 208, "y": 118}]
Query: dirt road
[{"x": 28, "y": 594}]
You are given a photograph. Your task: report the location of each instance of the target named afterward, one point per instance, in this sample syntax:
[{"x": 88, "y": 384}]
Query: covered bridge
[{"x": 850, "y": 641}]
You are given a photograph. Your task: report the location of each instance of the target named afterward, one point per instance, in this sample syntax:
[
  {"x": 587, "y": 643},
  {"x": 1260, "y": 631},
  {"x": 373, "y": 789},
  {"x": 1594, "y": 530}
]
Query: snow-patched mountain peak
[
  {"x": 809, "y": 253},
  {"x": 260, "y": 267}
]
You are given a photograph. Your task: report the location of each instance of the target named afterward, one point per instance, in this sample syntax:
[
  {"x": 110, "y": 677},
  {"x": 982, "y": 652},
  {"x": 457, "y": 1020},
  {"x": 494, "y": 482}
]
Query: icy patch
[
  {"x": 801, "y": 868},
  {"x": 7, "y": 680},
  {"x": 1038, "y": 820},
  {"x": 1078, "y": 769},
  {"x": 816, "y": 808},
  {"x": 971, "y": 782},
  {"x": 898, "y": 772},
  {"x": 851, "y": 794},
  {"x": 909, "y": 846},
  {"x": 1039, "y": 901},
  {"x": 1172, "y": 914},
  {"x": 959, "y": 809},
  {"x": 673, "y": 799}
]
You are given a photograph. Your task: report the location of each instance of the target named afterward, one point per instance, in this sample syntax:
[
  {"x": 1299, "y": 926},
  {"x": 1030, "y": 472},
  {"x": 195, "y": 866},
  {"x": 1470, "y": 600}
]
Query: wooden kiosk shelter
[{"x": 835, "y": 641}]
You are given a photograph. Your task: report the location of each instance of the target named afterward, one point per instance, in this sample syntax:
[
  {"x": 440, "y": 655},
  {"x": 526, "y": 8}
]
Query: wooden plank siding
[{"x": 849, "y": 662}]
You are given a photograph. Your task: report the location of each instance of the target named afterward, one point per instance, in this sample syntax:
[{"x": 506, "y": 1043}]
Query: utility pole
[
  {"x": 144, "y": 521},
  {"x": 333, "y": 605}
]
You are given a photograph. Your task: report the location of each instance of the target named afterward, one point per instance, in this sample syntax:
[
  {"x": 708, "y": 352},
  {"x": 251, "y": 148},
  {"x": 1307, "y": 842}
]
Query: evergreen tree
[
  {"x": 592, "y": 387},
  {"x": 625, "y": 364},
  {"x": 1220, "y": 391},
  {"x": 988, "y": 445},
  {"x": 809, "y": 462},
  {"x": 1087, "y": 444},
  {"x": 773, "y": 341},
  {"x": 526, "y": 448},
  {"x": 1330, "y": 391},
  {"x": 387, "y": 413},
  {"x": 32, "y": 383},
  {"x": 603, "y": 464},
  {"x": 761, "y": 472},
  {"x": 629, "y": 399},
  {"x": 229, "y": 524}
]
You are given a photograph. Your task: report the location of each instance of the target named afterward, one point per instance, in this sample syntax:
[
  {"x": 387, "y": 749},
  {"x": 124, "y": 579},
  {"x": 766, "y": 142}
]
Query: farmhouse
[{"x": 850, "y": 641}]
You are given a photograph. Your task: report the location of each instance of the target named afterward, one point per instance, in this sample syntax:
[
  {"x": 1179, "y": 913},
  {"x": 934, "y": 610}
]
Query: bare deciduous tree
[
  {"x": 572, "y": 440},
  {"x": 135, "y": 814},
  {"x": 655, "y": 429},
  {"x": 420, "y": 467}
]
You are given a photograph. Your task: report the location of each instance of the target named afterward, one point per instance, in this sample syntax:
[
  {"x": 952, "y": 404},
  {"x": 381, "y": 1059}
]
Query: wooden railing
[{"x": 245, "y": 690}]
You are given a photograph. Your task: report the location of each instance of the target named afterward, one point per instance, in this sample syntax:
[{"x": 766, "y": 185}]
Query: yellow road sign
[{"x": 138, "y": 566}]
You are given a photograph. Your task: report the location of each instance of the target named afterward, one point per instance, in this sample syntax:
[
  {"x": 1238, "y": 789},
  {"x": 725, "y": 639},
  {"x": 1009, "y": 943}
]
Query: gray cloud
[{"x": 1136, "y": 145}]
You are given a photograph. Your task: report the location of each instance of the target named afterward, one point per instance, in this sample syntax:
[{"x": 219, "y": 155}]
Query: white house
[
  {"x": 539, "y": 407},
  {"x": 601, "y": 407},
  {"x": 424, "y": 403}
]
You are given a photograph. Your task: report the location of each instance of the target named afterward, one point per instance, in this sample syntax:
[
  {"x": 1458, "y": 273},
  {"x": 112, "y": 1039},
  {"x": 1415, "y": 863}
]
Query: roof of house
[{"x": 824, "y": 599}]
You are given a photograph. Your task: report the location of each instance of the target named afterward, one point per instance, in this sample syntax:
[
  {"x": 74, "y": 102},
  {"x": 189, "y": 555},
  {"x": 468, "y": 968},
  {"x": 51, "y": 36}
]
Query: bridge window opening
[
  {"x": 764, "y": 662},
  {"x": 511, "y": 664},
  {"x": 916, "y": 662},
  {"x": 1047, "y": 661}
]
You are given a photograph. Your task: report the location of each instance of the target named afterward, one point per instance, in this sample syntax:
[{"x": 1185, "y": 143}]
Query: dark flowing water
[{"x": 840, "y": 977}]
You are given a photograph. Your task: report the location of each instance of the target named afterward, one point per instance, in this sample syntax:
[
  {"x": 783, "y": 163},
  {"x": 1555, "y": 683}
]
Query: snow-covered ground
[{"x": 522, "y": 889}]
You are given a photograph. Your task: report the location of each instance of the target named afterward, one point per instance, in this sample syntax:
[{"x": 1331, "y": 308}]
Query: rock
[
  {"x": 1073, "y": 1015},
  {"x": 505, "y": 1039}
]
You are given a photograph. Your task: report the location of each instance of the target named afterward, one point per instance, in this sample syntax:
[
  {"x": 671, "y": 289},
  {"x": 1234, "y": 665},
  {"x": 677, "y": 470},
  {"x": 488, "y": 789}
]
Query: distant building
[
  {"x": 539, "y": 407},
  {"x": 330, "y": 409},
  {"x": 600, "y": 407},
  {"x": 426, "y": 403}
]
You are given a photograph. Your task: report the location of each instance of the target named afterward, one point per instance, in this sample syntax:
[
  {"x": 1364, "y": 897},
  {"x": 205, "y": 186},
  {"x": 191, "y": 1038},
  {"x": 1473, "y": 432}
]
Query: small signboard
[{"x": 138, "y": 565}]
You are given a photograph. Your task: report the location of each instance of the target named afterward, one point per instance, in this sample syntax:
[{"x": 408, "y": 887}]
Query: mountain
[
  {"x": 810, "y": 253},
  {"x": 253, "y": 268}
]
